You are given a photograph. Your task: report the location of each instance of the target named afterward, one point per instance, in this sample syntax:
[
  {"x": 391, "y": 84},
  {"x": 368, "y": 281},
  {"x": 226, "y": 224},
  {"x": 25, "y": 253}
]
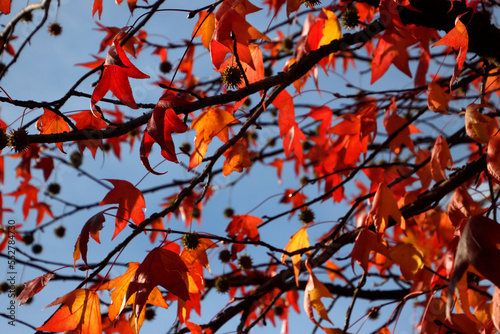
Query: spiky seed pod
[
  {"x": 225, "y": 256},
  {"x": 190, "y": 241},
  {"x": 54, "y": 188},
  {"x": 245, "y": 262},
  {"x": 228, "y": 212},
  {"x": 312, "y": 3},
  {"x": 60, "y": 231},
  {"x": 37, "y": 249},
  {"x": 232, "y": 77},
  {"x": 18, "y": 140},
  {"x": 150, "y": 314},
  {"x": 287, "y": 44},
  {"x": 278, "y": 310},
  {"x": 186, "y": 147},
  {"x": 306, "y": 216},
  {"x": 4, "y": 287},
  {"x": 165, "y": 66},
  {"x": 55, "y": 29},
  {"x": 28, "y": 239},
  {"x": 76, "y": 159},
  {"x": 222, "y": 284},
  {"x": 350, "y": 18}
]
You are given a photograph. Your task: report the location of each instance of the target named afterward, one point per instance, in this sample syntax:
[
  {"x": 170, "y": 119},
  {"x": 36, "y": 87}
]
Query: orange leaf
[
  {"x": 314, "y": 291},
  {"x": 366, "y": 242},
  {"x": 237, "y": 158},
  {"x": 90, "y": 229},
  {"x": 438, "y": 99},
  {"x": 212, "y": 122},
  {"x": 198, "y": 255},
  {"x": 50, "y": 122},
  {"x": 88, "y": 120},
  {"x": 118, "y": 288},
  {"x": 115, "y": 75},
  {"x": 440, "y": 159},
  {"x": 297, "y": 241},
  {"x": 394, "y": 122},
  {"x": 207, "y": 22},
  {"x": 33, "y": 287},
  {"x": 80, "y": 311},
  {"x": 409, "y": 258},
  {"x": 160, "y": 267},
  {"x": 495, "y": 309},
  {"x": 462, "y": 206},
  {"x": 479, "y": 127},
  {"x": 457, "y": 38},
  {"x": 384, "y": 206},
  {"x": 130, "y": 203}
]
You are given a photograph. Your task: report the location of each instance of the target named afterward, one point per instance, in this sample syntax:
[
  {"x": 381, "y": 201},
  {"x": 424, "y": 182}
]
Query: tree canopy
[{"x": 235, "y": 165}]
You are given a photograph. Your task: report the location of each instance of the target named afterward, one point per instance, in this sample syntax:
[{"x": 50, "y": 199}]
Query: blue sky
[{"x": 46, "y": 70}]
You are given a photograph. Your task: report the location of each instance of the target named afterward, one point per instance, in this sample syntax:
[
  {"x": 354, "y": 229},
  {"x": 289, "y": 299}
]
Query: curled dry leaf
[
  {"x": 477, "y": 247},
  {"x": 479, "y": 127},
  {"x": 440, "y": 159},
  {"x": 33, "y": 287}
]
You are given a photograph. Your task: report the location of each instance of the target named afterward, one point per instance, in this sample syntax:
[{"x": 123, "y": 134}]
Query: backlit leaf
[
  {"x": 80, "y": 311},
  {"x": 297, "y": 241}
]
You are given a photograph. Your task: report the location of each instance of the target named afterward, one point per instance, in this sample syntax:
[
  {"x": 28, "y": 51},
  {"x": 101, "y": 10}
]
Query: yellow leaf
[
  {"x": 315, "y": 290},
  {"x": 409, "y": 258},
  {"x": 331, "y": 29},
  {"x": 298, "y": 241}
]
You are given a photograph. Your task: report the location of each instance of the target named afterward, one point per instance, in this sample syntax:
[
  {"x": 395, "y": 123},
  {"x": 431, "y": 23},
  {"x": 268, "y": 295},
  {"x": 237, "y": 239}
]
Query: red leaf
[
  {"x": 42, "y": 209},
  {"x": 31, "y": 193},
  {"x": 50, "y": 122},
  {"x": 46, "y": 164},
  {"x": 130, "y": 203},
  {"x": 91, "y": 228},
  {"x": 160, "y": 267},
  {"x": 5, "y": 6},
  {"x": 244, "y": 227},
  {"x": 230, "y": 20},
  {"x": 457, "y": 38},
  {"x": 286, "y": 117},
  {"x": 161, "y": 125},
  {"x": 33, "y": 287},
  {"x": 114, "y": 78},
  {"x": 391, "y": 49}
]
